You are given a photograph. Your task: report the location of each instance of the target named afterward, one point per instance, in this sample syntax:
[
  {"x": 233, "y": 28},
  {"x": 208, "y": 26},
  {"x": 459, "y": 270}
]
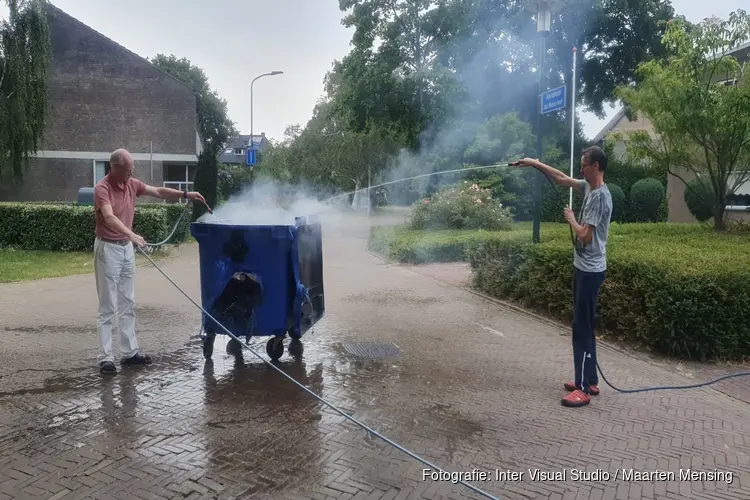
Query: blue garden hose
[{"x": 644, "y": 389}]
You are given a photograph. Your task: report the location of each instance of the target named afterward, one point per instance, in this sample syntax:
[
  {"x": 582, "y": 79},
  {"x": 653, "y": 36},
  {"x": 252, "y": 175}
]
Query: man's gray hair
[{"x": 117, "y": 157}]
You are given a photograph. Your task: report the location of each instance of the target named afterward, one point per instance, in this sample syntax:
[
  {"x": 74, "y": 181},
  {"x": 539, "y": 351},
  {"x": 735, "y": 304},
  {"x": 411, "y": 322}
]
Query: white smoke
[{"x": 266, "y": 203}]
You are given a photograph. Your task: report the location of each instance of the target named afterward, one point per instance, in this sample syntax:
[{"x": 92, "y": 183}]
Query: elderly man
[{"x": 114, "y": 256}]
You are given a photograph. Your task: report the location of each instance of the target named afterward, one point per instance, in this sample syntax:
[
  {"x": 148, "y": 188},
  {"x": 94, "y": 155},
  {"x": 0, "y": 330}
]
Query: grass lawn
[{"x": 28, "y": 265}]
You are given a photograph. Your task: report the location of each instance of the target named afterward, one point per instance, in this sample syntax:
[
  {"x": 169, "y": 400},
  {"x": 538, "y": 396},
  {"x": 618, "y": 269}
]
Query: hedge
[
  {"x": 421, "y": 247},
  {"x": 666, "y": 290},
  {"x": 70, "y": 227}
]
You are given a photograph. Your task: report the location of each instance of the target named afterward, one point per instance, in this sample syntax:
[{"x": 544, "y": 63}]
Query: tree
[
  {"x": 433, "y": 72},
  {"x": 698, "y": 101},
  {"x": 206, "y": 182},
  {"x": 612, "y": 38},
  {"x": 215, "y": 127},
  {"x": 25, "y": 49}
]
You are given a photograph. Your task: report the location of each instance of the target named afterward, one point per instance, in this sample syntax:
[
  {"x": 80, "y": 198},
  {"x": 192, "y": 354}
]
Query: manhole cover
[{"x": 372, "y": 349}]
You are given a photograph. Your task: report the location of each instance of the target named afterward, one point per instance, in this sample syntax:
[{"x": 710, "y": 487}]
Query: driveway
[{"x": 465, "y": 383}]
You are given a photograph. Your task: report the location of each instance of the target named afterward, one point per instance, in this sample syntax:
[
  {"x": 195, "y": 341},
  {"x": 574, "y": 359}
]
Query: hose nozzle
[{"x": 514, "y": 163}]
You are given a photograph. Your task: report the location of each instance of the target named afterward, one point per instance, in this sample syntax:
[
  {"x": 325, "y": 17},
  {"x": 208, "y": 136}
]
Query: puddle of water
[
  {"x": 160, "y": 315},
  {"x": 53, "y": 329},
  {"x": 60, "y": 420}
]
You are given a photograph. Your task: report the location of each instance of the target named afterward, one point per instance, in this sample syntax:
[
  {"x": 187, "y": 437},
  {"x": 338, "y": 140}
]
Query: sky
[{"x": 236, "y": 40}]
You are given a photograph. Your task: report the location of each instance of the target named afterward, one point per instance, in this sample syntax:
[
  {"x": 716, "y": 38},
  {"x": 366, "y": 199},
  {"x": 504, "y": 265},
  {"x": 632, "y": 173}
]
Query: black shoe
[
  {"x": 107, "y": 368},
  {"x": 138, "y": 359}
]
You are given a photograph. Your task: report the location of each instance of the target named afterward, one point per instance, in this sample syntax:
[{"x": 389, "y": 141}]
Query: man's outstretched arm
[
  {"x": 166, "y": 193},
  {"x": 557, "y": 176}
]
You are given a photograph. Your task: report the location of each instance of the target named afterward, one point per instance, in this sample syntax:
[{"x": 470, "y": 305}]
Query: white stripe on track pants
[{"x": 114, "y": 269}]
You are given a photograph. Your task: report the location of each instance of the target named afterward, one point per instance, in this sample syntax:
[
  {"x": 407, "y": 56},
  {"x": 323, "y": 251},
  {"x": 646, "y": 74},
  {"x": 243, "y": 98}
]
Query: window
[
  {"x": 228, "y": 151},
  {"x": 101, "y": 168},
  {"x": 238, "y": 152},
  {"x": 178, "y": 176}
]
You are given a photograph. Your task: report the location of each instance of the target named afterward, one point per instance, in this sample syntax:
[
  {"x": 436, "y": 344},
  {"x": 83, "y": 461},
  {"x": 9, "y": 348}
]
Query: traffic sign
[
  {"x": 553, "y": 100},
  {"x": 251, "y": 155}
]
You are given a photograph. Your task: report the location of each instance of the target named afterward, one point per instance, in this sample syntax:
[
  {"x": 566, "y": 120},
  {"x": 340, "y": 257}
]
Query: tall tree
[
  {"x": 698, "y": 101},
  {"x": 214, "y": 125},
  {"x": 612, "y": 38},
  {"x": 216, "y": 128},
  {"x": 24, "y": 58},
  {"x": 389, "y": 78}
]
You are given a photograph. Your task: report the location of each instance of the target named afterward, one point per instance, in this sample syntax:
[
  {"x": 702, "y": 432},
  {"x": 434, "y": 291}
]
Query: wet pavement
[{"x": 464, "y": 382}]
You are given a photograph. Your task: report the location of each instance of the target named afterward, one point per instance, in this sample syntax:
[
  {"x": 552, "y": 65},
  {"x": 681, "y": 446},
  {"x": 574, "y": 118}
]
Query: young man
[
  {"x": 114, "y": 256},
  {"x": 590, "y": 265}
]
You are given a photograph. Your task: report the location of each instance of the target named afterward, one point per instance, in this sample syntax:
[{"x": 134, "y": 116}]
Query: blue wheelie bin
[{"x": 261, "y": 281}]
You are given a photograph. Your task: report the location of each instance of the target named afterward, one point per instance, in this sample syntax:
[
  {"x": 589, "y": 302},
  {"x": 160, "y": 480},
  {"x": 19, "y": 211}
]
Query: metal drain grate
[{"x": 372, "y": 349}]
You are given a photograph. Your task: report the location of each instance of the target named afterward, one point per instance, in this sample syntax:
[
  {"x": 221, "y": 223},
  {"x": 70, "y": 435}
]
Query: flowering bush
[{"x": 461, "y": 207}]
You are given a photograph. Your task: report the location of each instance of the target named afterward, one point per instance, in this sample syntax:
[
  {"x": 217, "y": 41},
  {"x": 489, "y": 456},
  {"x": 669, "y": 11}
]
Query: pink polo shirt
[{"x": 122, "y": 200}]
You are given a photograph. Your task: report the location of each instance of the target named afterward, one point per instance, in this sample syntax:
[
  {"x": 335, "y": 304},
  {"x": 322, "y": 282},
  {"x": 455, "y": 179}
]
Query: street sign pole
[
  {"x": 538, "y": 177},
  {"x": 572, "y": 121}
]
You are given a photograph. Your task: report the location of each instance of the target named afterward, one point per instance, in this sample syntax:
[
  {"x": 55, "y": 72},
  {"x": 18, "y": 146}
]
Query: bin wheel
[
  {"x": 208, "y": 345},
  {"x": 296, "y": 348},
  {"x": 275, "y": 348},
  {"x": 234, "y": 347}
]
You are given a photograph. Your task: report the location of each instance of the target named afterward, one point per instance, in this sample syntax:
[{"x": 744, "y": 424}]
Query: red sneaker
[
  {"x": 593, "y": 389},
  {"x": 575, "y": 399}
]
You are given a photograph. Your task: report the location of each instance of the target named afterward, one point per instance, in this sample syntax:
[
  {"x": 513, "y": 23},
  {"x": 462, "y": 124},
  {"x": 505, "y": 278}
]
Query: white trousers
[{"x": 114, "y": 269}]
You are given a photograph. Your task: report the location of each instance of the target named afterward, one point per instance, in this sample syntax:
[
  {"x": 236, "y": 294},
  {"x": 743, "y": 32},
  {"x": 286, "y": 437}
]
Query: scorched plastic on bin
[{"x": 261, "y": 281}]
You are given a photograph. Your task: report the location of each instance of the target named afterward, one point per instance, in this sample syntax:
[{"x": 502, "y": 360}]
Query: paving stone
[{"x": 476, "y": 387}]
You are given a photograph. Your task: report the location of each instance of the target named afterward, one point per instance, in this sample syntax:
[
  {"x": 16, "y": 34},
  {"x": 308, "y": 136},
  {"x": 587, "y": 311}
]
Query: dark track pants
[{"x": 586, "y": 295}]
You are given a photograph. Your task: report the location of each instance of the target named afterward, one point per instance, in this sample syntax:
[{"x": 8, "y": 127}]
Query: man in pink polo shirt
[{"x": 114, "y": 256}]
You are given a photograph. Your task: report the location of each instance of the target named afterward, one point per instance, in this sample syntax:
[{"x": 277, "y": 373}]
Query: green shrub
[
  {"x": 206, "y": 182},
  {"x": 683, "y": 302},
  {"x": 618, "y": 202},
  {"x": 174, "y": 211},
  {"x": 422, "y": 247},
  {"x": 646, "y": 196},
  {"x": 232, "y": 179},
  {"x": 699, "y": 198},
  {"x": 461, "y": 207},
  {"x": 69, "y": 227},
  {"x": 554, "y": 200}
]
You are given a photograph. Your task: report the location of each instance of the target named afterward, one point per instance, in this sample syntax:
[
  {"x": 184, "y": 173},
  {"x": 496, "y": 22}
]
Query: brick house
[
  {"x": 235, "y": 152},
  {"x": 675, "y": 189},
  {"x": 103, "y": 97}
]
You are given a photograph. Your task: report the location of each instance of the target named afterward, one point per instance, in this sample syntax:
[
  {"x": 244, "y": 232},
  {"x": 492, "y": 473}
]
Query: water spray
[{"x": 441, "y": 172}]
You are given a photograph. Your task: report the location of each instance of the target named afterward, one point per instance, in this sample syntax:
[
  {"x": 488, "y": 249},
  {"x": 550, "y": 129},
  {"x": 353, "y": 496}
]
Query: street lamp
[
  {"x": 543, "y": 10},
  {"x": 272, "y": 73}
]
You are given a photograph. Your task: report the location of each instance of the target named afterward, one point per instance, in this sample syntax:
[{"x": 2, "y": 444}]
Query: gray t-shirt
[{"x": 596, "y": 211}]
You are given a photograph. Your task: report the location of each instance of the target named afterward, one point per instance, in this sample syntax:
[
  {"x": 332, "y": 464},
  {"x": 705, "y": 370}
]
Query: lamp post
[
  {"x": 272, "y": 73},
  {"x": 543, "y": 10}
]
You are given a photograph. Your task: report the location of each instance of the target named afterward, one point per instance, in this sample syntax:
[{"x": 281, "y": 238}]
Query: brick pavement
[{"x": 476, "y": 386}]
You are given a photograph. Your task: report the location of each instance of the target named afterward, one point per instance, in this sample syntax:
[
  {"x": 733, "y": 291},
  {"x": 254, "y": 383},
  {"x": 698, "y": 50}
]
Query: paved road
[{"x": 475, "y": 387}]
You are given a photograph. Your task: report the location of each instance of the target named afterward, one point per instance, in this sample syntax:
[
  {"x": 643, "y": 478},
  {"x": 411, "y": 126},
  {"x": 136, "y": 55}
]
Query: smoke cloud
[
  {"x": 500, "y": 78},
  {"x": 269, "y": 203}
]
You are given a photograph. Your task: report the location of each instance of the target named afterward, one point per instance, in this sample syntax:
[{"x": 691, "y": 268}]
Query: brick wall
[
  {"x": 104, "y": 97},
  {"x": 60, "y": 180}
]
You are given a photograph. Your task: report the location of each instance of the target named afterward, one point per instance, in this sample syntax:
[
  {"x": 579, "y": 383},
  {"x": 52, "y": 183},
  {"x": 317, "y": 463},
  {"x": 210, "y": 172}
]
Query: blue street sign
[
  {"x": 251, "y": 156},
  {"x": 553, "y": 100}
]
